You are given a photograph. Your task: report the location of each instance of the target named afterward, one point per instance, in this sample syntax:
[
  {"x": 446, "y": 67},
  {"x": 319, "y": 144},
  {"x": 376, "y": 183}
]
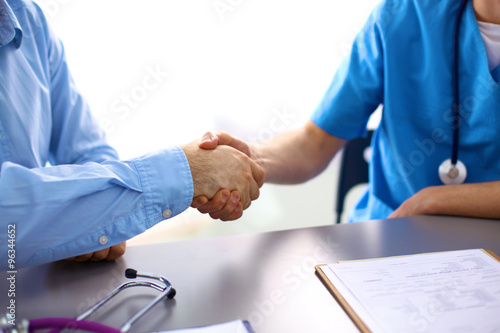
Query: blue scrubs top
[{"x": 402, "y": 59}]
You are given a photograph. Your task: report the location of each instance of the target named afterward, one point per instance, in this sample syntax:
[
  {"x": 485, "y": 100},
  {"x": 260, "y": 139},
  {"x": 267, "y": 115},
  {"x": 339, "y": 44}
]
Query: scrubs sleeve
[
  {"x": 357, "y": 87},
  {"x": 69, "y": 210}
]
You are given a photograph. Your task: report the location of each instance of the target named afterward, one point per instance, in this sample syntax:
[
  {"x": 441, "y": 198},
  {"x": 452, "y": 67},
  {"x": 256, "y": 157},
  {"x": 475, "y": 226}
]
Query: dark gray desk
[{"x": 267, "y": 278}]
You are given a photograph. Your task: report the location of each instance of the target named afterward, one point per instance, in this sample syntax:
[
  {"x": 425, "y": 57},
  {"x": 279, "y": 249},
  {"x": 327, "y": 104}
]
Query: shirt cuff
[{"x": 167, "y": 183}]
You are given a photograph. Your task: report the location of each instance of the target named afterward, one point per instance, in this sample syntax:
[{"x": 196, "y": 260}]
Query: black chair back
[{"x": 353, "y": 169}]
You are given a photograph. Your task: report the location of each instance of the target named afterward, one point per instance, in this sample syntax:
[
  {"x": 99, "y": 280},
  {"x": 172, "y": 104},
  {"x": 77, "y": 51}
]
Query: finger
[
  {"x": 247, "y": 204},
  {"x": 396, "y": 213},
  {"x": 257, "y": 172},
  {"x": 228, "y": 208},
  {"x": 254, "y": 183},
  {"x": 84, "y": 257},
  {"x": 216, "y": 203},
  {"x": 116, "y": 251},
  {"x": 247, "y": 190},
  {"x": 199, "y": 201},
  {"x": 209, "y": 141},
  {"x": 99, "y": 255},
  {"x": 254, "y": 192},
  {"x": 224, "y": 138},
  {"x": 236, "y": 214}
]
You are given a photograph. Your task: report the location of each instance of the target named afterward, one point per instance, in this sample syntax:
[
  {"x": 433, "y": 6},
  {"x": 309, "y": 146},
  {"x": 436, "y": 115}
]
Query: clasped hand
[
  {"x": 223, "y": 171},
  {"x": 225, "y": 178}
]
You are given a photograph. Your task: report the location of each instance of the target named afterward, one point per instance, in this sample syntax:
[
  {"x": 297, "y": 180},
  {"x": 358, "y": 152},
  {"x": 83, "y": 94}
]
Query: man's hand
[
  {"x": 110, "y": 254},
  {"x": 472, "y": 200},
  {"x": 292, "y": 157},
  {"x": 421, "y": 203},
  {"x": 211, "y": 141},
  {"x": 223, "y": 168},
  {"x": 225, "y": 205}
]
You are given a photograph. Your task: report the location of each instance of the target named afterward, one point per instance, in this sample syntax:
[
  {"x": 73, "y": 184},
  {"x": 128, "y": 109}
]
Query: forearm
[
  {"x": 296, "y": 156},
  {"x": 64, "y": 211},
  {"x": 472, "y": 200}
]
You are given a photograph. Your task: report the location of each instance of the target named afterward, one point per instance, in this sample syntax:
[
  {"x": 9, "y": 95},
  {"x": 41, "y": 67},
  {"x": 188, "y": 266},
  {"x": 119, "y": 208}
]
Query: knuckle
[
  {"x": 203, "y": 210},
  {"x": 214, "y": 216},
  {"x": 121, "y": 249},
  {"x": 222, "y": 133},
  {"x": 247, "y": 204},
  {"x": 247, "y": 176},
  {"x": 98, "y": 256},
  {"x": 83, "y": 257},
  {"x": 226, "y": 211},
  {"x": 219, "y": 204}
]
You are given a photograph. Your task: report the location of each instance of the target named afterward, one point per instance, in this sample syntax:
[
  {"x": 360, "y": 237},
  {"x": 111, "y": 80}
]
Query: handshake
[{"x": 226, "y": 176}]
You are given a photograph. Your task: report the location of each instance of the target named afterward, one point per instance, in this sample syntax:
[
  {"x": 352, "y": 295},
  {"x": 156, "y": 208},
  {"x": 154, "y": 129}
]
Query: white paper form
[
  {"x": 236, "y": 326},
  {"x": 456, "y": 291}
]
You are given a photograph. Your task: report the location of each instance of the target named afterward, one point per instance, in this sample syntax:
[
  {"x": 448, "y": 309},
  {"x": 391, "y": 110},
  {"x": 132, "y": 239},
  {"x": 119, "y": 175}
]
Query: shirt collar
[{"x": 10, "y": 30}]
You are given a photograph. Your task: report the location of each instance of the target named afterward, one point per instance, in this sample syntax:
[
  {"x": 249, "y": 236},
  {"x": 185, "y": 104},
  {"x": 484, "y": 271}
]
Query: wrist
[
  {"x": 256, "y": 155},
  {"x": 194, "y": 168},
  {"x": 431, "y": 200}
]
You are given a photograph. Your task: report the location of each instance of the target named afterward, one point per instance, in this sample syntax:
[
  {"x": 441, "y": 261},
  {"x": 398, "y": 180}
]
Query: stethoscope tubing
[
  {"x": 456, "y": 93},
  {"x": 57, "y": 324}
]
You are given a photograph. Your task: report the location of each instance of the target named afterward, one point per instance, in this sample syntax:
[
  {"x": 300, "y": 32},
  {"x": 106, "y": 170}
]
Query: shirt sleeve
[
  {"x": 76, "y": 137},
  {"x": 68, "y": 210},
  {"x": 357, "y": 87},
  {"x": 88, "y": 199}
]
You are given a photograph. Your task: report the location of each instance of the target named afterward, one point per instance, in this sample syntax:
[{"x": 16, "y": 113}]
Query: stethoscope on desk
[
  {"x": 453, "y": 171},
  {"x": 55, "y": 325}
]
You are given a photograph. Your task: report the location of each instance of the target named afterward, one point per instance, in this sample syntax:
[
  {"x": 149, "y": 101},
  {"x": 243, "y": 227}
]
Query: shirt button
[
  {"x": 103, "y": 240},
  {"x": 167, "y": 213}
]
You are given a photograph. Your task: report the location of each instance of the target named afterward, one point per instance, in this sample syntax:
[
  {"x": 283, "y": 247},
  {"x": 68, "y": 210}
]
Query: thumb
[
  {"x": 209, "y": 141},
  {"x": 224, "y": 138}
]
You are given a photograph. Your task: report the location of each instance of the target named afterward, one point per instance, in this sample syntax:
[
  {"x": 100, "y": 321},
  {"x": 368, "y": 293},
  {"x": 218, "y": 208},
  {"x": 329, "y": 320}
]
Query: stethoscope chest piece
[
  {"x": 452, "y": 174},
  {"x": 449, "y": 171}
]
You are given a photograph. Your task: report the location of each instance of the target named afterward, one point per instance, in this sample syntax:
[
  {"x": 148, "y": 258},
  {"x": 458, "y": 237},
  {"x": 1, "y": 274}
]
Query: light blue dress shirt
[
  {"x": 87, "y": 199},
  {"x": 402, "y": 59}
]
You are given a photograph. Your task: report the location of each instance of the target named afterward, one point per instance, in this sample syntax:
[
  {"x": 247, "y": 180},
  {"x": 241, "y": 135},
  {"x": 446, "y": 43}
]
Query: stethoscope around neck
[{"x": 452, "y": 170}]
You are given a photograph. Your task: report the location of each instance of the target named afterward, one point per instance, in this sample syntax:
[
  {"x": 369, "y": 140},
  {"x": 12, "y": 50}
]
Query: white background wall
[{"x": 251, "y": 67}]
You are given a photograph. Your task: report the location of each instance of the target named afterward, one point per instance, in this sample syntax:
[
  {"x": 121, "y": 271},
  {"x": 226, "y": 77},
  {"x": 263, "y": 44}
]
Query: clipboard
[
  {"x": 341, "y": 300},
  {"x": 346, "y": 306}
]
